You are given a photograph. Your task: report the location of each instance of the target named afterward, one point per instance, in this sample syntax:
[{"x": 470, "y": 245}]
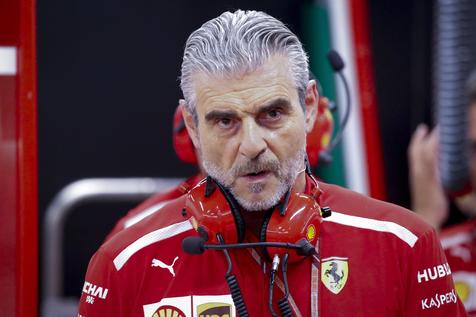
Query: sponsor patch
[
  {"x": 214, "y": 309},
  {"x": 465, "y": 286},
  {"x": 334, "y": 273},
  {"x": 188, "y": 306},
  {"x": 170, "y": 307},
  {"x": 168, "y": 311},
  {"x": 463, "y": 290},
  {"x": 437, "y": 300},
  {"x": 93, "y": 292},
  {"x": 433, "y": 273},
  {"x": 213, "y": 306},
  {"x": 311, "y": 232}
]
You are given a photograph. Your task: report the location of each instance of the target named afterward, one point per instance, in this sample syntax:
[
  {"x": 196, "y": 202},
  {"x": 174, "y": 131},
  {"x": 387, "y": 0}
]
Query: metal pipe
[
  {"x": 453, "y": 60},
  {"x": 76, "y": 194}
]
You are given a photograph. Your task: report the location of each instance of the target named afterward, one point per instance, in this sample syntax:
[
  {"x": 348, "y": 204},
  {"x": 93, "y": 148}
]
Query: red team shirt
[
  {"x": 459, "y": 244},
  {"x": 375, "y": 259}
]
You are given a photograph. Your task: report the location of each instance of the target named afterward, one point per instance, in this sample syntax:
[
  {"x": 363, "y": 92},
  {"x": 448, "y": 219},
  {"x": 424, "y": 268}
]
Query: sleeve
[
  {"x": 430, "y": 289},
  {"x": 102, "y": 293}
]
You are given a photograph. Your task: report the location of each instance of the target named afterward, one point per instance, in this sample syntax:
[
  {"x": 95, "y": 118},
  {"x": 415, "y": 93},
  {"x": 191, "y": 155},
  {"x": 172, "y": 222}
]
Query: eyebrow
[
  {"x": 217, "y": 114},
  {"x": 282, "y": 103}
]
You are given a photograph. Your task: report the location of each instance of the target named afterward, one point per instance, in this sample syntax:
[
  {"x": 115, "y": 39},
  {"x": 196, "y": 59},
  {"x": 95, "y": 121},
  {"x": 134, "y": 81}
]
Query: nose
[{"x": 253, "y": 143}]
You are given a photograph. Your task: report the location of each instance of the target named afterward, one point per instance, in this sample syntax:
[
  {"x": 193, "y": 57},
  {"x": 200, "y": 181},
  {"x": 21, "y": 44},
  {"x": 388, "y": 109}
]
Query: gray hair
[{"x": 239, "y": 43}]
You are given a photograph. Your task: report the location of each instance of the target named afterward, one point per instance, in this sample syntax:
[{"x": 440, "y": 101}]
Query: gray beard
[{"x": 286, "y": 173}]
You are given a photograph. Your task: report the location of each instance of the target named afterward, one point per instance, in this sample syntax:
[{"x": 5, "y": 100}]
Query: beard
[{"x": 286, "y": 173}]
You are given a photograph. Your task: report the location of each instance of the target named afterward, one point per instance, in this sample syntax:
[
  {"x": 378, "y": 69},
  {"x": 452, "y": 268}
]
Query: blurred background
[{"x": 107, "y": 89}]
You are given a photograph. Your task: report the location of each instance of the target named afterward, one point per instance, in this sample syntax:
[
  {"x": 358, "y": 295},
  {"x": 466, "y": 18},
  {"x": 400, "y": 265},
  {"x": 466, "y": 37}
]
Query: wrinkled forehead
[
  {"x": 271, "y": 80},
  {"x": 273, "y": 66}
]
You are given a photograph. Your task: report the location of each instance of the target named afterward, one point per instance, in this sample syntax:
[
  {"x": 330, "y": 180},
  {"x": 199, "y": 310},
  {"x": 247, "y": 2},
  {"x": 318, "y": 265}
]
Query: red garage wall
[{"x": 18, "y": 161}]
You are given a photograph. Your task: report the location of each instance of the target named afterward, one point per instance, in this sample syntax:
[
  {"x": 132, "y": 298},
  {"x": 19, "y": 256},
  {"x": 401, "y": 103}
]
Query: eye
[
  {"x": 271, "y": 116},
  {"x": 274, "y": 114},
  {"x": 224, "y": 123}
]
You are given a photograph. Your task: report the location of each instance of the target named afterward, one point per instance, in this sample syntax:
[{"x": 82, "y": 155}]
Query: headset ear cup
[
  {"x": 320, "y": 136},
  {"x": 210, "y": 212},
  {"x": 182, "y": 142},
  {"x": 301, "y": 220}
]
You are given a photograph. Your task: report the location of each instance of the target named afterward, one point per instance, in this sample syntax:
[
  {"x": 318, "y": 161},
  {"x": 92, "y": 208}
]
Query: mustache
[{"x": 257, "y": 166}]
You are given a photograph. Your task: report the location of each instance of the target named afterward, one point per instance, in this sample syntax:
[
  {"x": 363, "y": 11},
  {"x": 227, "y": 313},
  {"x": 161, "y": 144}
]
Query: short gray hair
[{"x": 241, "y": 42}]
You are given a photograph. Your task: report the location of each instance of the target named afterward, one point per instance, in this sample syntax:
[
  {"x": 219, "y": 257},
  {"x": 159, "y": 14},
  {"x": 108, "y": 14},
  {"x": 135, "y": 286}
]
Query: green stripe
[{"x": 317, "y": 42}]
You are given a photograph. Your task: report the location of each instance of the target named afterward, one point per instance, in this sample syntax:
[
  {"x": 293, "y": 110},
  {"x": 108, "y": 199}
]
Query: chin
[{"x": 265, "y": 199}]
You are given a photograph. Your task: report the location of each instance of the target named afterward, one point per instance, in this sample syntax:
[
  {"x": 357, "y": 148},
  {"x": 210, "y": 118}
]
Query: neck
[{"x": 300, "y": 183}]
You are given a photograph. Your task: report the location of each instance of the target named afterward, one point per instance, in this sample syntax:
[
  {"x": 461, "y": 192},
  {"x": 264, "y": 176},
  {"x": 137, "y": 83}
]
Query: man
[
  {"x": 249, "y": 105},
  {"x": 430, "y": 201}
]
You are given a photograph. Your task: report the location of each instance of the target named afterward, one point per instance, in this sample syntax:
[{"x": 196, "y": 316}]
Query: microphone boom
[{"x": 196, "y": 245}]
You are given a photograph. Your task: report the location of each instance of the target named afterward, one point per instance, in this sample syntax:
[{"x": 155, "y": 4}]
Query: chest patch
[
  {"x": 334, "y": 273},
  {"x": 192, "y": 306}
]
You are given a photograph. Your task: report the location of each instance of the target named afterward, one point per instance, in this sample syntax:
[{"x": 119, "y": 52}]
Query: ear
[
  {"x": 311, "y": 102},
  {"x": 190, "y": 123}
]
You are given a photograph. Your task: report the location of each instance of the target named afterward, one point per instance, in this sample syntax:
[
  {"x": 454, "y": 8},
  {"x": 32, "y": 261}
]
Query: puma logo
[{"x": 162, "y": 265}]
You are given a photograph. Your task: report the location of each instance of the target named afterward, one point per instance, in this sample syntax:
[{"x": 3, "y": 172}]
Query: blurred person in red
[{"x": 431, "y": 202}]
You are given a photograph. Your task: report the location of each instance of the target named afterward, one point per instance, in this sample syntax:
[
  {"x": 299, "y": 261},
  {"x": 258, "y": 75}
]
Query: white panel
[
  {"x": 148, "y": 239},
  {"x": 8, "y": 60},
  {"x": 376, "y": 225}
]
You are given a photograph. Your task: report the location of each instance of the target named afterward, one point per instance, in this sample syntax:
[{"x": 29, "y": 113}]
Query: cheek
[
  {"x": 290, "y": 140},
  {"x": 219, "y": 151}
]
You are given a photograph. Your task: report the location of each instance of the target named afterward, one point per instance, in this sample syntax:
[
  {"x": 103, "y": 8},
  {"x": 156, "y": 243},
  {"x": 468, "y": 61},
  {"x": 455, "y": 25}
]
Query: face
[{"x": 251, "y": 131}]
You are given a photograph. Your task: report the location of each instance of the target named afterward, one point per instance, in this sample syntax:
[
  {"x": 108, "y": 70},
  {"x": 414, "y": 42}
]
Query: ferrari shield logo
[{"x": 334, "y": 273}]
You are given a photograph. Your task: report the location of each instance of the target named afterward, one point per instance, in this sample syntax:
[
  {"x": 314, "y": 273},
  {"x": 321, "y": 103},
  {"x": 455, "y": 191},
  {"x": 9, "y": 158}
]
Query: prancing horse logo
[
  {"x": 162, "y": 265},
  {"x": 334, "y": 273}
]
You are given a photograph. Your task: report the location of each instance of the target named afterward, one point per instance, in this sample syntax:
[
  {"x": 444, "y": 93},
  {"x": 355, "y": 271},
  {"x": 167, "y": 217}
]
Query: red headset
[
  {"x": 183, "y": 144},
  {"x": 317, "y": 140},
  {"x": 215, "y": 211}
]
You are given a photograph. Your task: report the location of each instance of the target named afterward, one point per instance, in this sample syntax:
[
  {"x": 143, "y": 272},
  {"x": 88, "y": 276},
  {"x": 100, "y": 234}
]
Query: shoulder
[
  {"x": 158, "y": 228},
  {"x": 124, "y": 263},
  {"x": 458, "y": 234},
  {"x": 466, "y": 228},
  {"x": 355, "y": 210},
  {"x": 153, "y": 204}
]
